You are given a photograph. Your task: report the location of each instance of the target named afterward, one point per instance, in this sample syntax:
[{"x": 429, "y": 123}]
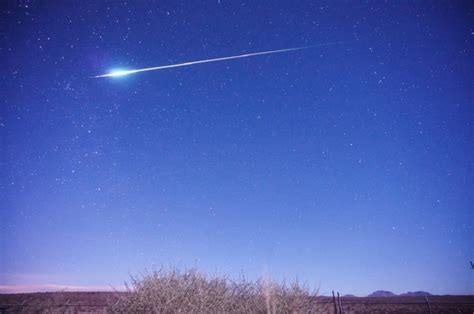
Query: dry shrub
[{"x": 189, "y": 291}]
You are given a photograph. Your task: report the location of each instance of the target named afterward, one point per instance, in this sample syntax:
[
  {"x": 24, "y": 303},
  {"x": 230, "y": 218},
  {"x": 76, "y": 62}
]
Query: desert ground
[{"x": 98, "y": 302}]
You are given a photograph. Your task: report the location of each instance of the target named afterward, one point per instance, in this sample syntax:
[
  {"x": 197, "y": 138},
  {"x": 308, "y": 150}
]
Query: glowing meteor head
[{"x": 118, "y": 73}]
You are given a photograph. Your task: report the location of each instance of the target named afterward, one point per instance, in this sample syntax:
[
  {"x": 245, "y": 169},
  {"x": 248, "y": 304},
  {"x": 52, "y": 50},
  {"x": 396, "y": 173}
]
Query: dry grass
[
  {"x": 99, "y": 302},
  {"x": 189, "y": 291}
]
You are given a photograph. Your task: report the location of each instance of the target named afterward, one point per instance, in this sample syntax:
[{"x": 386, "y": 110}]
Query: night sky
[{"x": 349, "y": 165}]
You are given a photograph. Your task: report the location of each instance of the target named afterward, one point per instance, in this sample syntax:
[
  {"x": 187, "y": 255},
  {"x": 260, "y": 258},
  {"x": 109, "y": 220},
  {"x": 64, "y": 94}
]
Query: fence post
[
  {"x": 428, "y": 303},
  {"x": 335, "y": 302},
  {"x": 339, "y": 303}
]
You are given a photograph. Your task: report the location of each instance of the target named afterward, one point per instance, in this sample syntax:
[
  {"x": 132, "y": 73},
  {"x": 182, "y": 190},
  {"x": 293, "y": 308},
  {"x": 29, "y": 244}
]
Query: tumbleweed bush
[{"x": 190, "y": 291}]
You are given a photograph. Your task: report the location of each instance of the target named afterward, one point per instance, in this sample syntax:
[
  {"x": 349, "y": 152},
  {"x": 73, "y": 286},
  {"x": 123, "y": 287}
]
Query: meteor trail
[{"x": 127, "y": 72}]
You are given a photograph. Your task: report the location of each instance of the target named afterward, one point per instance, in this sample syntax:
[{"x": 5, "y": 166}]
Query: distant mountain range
[
  {"x": 415, "y": 294},
  {"x": 382, "y": 293}
]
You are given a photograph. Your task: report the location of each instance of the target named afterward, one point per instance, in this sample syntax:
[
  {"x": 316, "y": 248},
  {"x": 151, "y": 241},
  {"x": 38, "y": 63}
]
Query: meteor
[{"x": 119, "y": 73}]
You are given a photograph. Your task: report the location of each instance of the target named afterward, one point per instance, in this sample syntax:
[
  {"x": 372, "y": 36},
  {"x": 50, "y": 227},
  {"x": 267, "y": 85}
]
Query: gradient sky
[{"x": 349, "y": 166}]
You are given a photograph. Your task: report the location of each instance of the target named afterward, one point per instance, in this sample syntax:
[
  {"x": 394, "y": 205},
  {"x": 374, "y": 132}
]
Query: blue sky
[{"x": 348, "y": 165}]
